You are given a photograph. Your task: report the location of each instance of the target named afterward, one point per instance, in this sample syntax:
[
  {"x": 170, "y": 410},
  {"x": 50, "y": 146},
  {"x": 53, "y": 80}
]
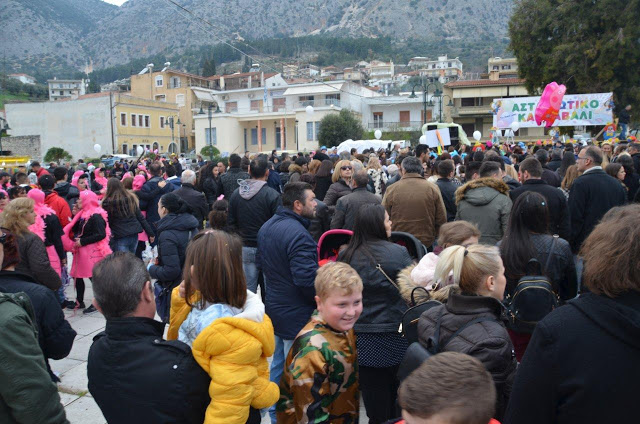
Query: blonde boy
[{"x": 320, "y": 379}]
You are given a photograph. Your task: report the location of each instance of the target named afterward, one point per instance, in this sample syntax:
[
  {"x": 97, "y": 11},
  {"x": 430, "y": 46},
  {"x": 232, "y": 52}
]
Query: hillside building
[
  {"x": 23, "y": 78},
  {"x": 502, "y": 68},
  {"x": 66, "y": 89}
]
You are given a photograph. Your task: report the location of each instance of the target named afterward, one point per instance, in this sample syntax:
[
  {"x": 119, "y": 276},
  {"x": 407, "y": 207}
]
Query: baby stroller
[
  {"x": 414, "y": 246},
  {"x": 329, "y": 245}
]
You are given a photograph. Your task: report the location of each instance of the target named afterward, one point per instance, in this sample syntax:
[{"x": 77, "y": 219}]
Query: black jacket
[
  {"x": 581, "y": 365},
  {"x": 212, "y": 188},
  {"x": 448, "y": 190},
  {"x": 550, "y": 177},
  {"x": 137, "y": 377},
  {"x": 123, "y": 225},
  {"x": 322, "y": 186},
  {"x": 559, "y": 222},
  {"x": 196, "y": 201},
  {"x": 321, "y": 223},
  {"x": 229, "y": 181},
  {"x": 636, "y": 162},
  {"x": 173, "y": 233},
  {"x": 150, "y": 195},
  {"x": 67, "y": 192},
  {"x": 349, "y": 205},
  {"x": 383, "y": 306},
  {"x": 554, "y": 164},
  {"x": 34, "y": 261},
  {"x": 632, "y": 181},
  {"x": 90, "y": 231},
  {"x": 53, "y": 234},
  {"x": 247, "y": 215},
  {"x": 55, "y": 335},
  {"x": 487, "y": 341},
  {"x": 335, "y": 192},
  {"x": 624, "y": 117},
  {"x": 592, "y": 195}
]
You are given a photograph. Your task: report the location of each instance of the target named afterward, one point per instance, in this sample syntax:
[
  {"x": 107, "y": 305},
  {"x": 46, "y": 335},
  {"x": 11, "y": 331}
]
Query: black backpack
[
  {"x": 417, "y": 354},
  {"x": 409, "y": 325},
  {"x": 533, "y": 297}
]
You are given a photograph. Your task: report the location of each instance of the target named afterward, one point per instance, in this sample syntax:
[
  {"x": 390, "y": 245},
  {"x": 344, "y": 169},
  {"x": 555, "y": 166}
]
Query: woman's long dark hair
[
  {"x": 204, "y": 174},
  {"x": 368, "y": 226},
  {"x": 325, "y": 168},
  {"x": 530, "y": 214},
  {"x": 568, "y": 159}
]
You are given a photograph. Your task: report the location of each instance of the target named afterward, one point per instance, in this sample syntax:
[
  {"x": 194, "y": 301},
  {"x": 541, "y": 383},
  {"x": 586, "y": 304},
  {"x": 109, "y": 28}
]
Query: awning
[
  {"x": 314, "y": 89},
  {"x": 204, "y": 95}
]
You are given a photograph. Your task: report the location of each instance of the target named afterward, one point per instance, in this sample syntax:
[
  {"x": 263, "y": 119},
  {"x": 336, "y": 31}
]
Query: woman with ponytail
[
  {"x": 478, "y": 271},
  {"x": 87, "y": 237},
  {"x": 173, "y": 232}
]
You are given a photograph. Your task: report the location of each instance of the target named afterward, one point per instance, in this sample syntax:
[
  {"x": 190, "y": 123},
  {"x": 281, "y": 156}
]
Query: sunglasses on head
[{"x": 344, "y": 168}]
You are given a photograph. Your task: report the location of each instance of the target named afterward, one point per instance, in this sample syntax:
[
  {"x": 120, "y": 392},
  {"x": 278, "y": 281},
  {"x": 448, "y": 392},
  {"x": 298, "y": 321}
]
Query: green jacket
[{"x": 27, "y": 394}]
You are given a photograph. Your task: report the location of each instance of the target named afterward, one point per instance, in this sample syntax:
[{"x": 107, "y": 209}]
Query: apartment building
[
  {"x": 502, "y": 68},
  {"x": 66, "y": 89},
  {"x": 378, "y": 70},
  {"x": 442, "y": 69},
  {"x": 395, "y": 113}
]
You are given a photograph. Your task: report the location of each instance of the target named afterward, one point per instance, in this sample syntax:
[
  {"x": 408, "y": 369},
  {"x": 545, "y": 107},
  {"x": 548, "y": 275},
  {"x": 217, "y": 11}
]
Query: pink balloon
[{"x": 549, "y": 105}]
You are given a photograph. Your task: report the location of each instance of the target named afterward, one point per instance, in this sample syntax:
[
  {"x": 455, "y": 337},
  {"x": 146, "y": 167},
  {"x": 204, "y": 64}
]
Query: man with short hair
[
  {"x": 63, "y": 188},
  {"x": 548, "y": 176},
  {"x": 287, "y": 255},
  {"x": 556, "y": 160},
  {"x": 134, "y": 375},
  {"x": 472, "y": 171},
  {"x": 221, "y": 168},
  {"x": 251, "y": 205},
  {"x": 5, "y": 177},
  {"x": 230, "y": 179},
  {"x": 39, "y": 170},
  {"x": 348, "y": 206},
  {"x": 634, "y": 150},
  {"x": 152, "y": 191},
  {"x": 53, "y": 200},
  {"x": 492, "y": 156},
  {"x": 414, "y": 204},
  {"x": 592, "y": 195},
  {"x": 195, "y": 199},
  {"x": 117, "y": 170},
  {"x": 530, "y": 174},
  {"x": 485, "y": 202},
  {"x": 446, "y": 171},
  {"x": 172, "y": 177}
]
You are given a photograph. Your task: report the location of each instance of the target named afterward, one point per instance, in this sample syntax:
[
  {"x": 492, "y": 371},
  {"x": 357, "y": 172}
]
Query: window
[
  {"x": 146, "y": 121},
  {"x": 123, "y": 119},
  {"x": 256, "y": 106},
  {"x": 140, "y": 118},
  {"x": 209, "y": 135},
  {"x": 279, "y": 104},
  {"x": 496, "y": 68},
  {"x": 230, "y": 107},
  {"x": 161, "y": 98},
  {"x": 162, "y": 121},
  {"x": 377, "y": 120},
  {"x": 254, "y": 136},
  {"x": 180, "y": 100},
  {"x": 306, "y": 100},
  {"x": 134, "y": 123},
  {"x": 134, "y": 149},
  {"x": 467, "y": 101},
  {"x": 278, "y": 138},
  {"x": 405, "y": 117},
  {"x": 449, "y": 64},
  {"x": 332, "y": 99},
  {"x": 174, "y": 82},
  {"x": 159, "y": 81},
  {"x": 317, "y": 130},
  {"x": 125, "y": 149},
  {"x": 309, "y": 131},
  {"x": 429, "y": 116},
  {"x": 155, "y": 146}
]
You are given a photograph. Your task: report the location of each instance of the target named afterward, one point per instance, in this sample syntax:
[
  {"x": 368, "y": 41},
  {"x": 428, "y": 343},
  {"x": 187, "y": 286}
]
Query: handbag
[{"x": 409, "y": 324}]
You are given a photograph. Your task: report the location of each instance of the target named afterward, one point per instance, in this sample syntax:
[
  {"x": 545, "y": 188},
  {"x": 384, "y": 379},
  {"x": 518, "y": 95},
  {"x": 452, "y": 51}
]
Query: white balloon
[
  {"x": 97, "y": 148},
  {"x": 140, "y": 150},
  {"x": 515, "y": 126},
  {"x": 423, "y": 139},
  {"x": 477, "y": 135},
  {"x": 377, "y": 134},
  {"x": 309, "y": 110}
]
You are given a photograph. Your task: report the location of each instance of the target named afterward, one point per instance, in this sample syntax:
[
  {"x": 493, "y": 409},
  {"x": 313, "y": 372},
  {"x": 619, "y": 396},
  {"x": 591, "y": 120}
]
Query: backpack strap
[
  {"x": 553, "y": 245},
  {"x": 469, "y": 324},
  {"x": 433, "y": 341}
]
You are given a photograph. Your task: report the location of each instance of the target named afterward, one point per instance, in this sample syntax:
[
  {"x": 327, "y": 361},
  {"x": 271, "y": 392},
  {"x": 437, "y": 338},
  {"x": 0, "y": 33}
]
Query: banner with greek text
[{"x": 576, "y": 109}]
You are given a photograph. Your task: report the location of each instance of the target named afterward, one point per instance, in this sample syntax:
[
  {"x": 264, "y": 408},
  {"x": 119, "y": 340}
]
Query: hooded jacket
[
  {"x": 150, "y": 195},
  {"x": 173, "y": 234},
  {"x": 485, "y": 202},
  {"x": 229, "y": 181},
  {"x": 234, "y": 352},
  {"x": 252, "y": 204},
  {"x": 67, "y": 192},
  {"x": 581, "y": 365},
  {"x": 59, "y": 206}
]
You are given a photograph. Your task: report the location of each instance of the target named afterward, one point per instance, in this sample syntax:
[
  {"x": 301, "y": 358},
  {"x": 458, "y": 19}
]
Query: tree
[
  {"x": 56, "y": 154},
  {"x": 209, "y": 151},
  {"x": 338, "y": 127},
  {"x": 579, "y": 46},
  {"x": 209, "y": 67}
]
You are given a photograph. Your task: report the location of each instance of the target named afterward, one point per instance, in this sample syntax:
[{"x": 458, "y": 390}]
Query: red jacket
[
  {"x": 42, "y": 172},
  {"x": 60, "y": 207}
]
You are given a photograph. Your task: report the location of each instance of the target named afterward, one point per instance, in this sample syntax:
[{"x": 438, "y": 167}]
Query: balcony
[
  {"x": 395, "y": 125},
  {"x": 462, "y": 111},
  {"x": 318, "y": 103}
]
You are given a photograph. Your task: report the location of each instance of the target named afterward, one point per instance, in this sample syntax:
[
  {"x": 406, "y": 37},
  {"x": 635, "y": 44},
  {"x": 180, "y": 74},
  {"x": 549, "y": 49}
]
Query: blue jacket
[
  {"x": 273, "y": 181},
  {"x": 150, "y": 195},
  {"x": 288, "y": 258},
  {"x": 173, "y": 233}
]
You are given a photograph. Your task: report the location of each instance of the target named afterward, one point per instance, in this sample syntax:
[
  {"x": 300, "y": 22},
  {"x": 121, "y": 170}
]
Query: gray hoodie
[{"x": 249, "y": 188}]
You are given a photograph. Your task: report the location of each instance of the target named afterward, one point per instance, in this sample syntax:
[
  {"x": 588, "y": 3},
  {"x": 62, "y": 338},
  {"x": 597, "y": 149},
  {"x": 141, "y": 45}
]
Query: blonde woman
[
  {"x": 34, "y": 260},
  {"x": 379, "y": 177},
  {"x": 314, "y": 165},
  {"x": 342, "y": 175},
  {"x": 570, "y": 176}
]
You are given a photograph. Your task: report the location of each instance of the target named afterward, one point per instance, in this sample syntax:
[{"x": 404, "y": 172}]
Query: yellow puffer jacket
[{"x": 234, "y": 352}]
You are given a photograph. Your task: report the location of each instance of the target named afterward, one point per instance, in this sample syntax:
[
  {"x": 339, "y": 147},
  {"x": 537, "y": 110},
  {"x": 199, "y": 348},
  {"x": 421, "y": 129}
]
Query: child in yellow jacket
[{"x": 230, "y": 335}]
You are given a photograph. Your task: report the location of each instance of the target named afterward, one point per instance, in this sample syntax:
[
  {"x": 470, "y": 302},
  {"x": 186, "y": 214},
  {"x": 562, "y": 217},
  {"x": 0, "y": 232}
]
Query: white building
[
  {"x": 274, "y": 116},
  {"x": 379, "y": 70},
  {"x": 395, "y": 113},
  {"x": 503, "y": 67},
  {"x": 66, "y": 89},
  {"x": 443, "y": 69},
  {"x": 23, "y": 78}
]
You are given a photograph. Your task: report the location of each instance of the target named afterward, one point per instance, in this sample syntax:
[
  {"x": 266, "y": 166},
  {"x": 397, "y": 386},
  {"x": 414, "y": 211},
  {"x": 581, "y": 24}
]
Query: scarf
[
  {"x": 41, "y": 210},
  {"x": 90, "y": 207}
]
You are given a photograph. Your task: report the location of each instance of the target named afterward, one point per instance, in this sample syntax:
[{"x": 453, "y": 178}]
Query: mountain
[{"x": 73, "y": 33}]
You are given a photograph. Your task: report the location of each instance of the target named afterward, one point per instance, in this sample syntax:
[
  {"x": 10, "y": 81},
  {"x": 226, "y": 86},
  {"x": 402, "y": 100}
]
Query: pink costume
[
  {"x": 38, "y": 227},
  {"x": 75, "y": 178},
  {"x": 138, "y": 182},
  {"x": 100, "y": 180},
  {"x": 85, "y": 257}
]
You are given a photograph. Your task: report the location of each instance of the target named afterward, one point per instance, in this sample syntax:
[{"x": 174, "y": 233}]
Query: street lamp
[
  {"x": 3, "y": 127},
  {"x": 172, "y": 126},
  {"x": 210, "y": 113},
  {"x": 438, "y": 95},
  {"x": 425, "y": 91}
]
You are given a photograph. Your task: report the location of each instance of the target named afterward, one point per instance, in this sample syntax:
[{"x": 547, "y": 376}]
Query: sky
[{"x": 116, "y": 2}]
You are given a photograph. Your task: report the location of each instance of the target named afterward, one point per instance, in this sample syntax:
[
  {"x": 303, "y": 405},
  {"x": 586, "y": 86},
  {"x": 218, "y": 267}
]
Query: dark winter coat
[
  {"x": 349, "y": 205},
  {"x": 485, "y": 202},
  {"x": 175, "y": 181},
  {"x": 335, "y": 192},
  {"x": 554, "y": 164},
  {"x": 322, "y": 186},
  {"x": 211, "y": 188},
  {"x": 322, "y": 221},
  {"x": 196, "y": 201},
  {"x": 581, "y": 365},
  {"x": 632, "y": 181},
  {"x": 34, "y": 261},
  {"x": 27, "y": 394},
  {"x": 448, "y": 191},
  {"x": 592, "y": 195},
  {"x": 55, "y": 335},
  {"x": 247, "y": 215},
  {"x": 96, "y": 187},
  {"x": 150, "y": 195},
  {"x": 67, "y": 192},
  {"x": 93, "y": 231},
  {"x": 53, "y": 235},
  {"x": 129, "y": 363},
  {"x": 288, "y": 257},
  {"x": 559, "y": 222},
  {"x": 383, "y": 306},
  {"x": 125, "y": 225},
  {"x": 273, "y": 181},
  {"x": 550, "y": 177},
  {"x": 173, "y": 233},
  {"x": 511, "y": 182},
  {"x": 636, "y": 162},
  {"x": 487, "y": 341},
  {"x": 229, "y": 181}
]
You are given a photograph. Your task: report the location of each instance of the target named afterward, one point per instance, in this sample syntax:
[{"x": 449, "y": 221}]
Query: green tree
[
  {"x": 338, "y": 127},
  {"x": 209, "y": 151},
  {"x": 56, "y": 154},
  {"x": 579, "y": 46},
  {"x": 209, "y": 67}
]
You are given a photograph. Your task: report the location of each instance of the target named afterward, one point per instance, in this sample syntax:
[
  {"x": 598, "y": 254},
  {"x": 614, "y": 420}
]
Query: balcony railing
[
  {"x": 318, "y": 103},
  {"x": 459, "y": 111},
  {"x": 394, "y": 125}
]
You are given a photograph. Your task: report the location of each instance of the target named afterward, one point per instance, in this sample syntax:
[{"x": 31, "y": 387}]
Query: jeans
[
  {"x": 277, "y": 366},
  {"x": 249, "y": 267},
  {"x": 124, "y": 244},
  {"x": 623, "y": 131}
]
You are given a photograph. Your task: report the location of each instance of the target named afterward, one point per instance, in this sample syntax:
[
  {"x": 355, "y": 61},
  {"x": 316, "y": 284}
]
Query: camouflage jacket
[{"x": 320, "y": 379}]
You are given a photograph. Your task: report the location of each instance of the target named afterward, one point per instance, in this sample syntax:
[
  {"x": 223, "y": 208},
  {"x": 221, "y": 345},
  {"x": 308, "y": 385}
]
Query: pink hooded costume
[
  {"x": 75, "y": 178},
  {"x": 138, "y": 182},
  {"x": 38, "y": 227},
  {"x": 85, "y": 257},
  {"x": 100, "y": 180}
]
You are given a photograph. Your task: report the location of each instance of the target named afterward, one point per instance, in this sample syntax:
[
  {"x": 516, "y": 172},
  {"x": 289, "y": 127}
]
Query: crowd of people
[{"x": 228, "y": 258}]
